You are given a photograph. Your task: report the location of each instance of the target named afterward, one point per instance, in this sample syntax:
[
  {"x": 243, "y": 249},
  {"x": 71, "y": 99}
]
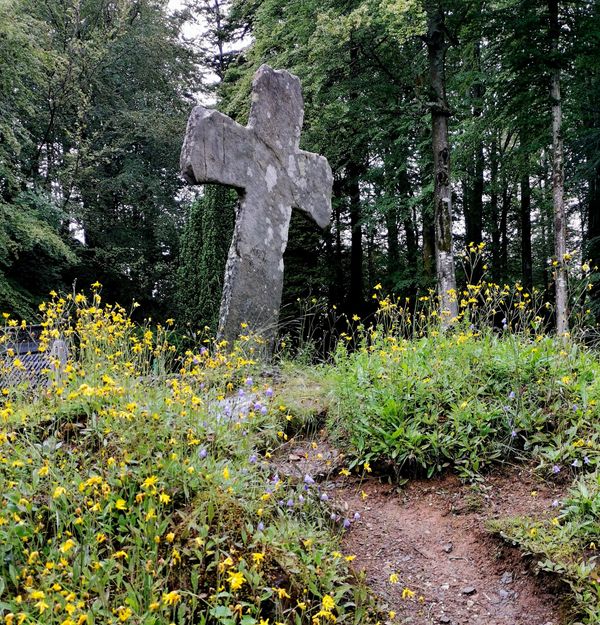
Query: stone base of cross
[{"x": 273, "y": 175}]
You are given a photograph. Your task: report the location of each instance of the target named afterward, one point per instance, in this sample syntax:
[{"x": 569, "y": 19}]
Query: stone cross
[{"x": 264, "y": 163}]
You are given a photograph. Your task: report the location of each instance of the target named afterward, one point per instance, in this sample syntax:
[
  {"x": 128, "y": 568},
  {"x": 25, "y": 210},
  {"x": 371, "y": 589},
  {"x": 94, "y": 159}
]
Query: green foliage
[
  {"x": 204, "y": 246},
  {"x": 33, "y": 253},
  {"x": 566, "y": 546},
  {"x": 465, "y": 400}
]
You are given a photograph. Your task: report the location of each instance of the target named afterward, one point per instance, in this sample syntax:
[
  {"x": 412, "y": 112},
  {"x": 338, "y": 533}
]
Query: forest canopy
[{"x": 95, "y": 95}]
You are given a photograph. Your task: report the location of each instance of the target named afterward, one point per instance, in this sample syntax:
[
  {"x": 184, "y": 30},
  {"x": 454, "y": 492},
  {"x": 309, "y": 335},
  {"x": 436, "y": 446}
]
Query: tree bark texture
[
  {"x": 437, "y": 46},
  {"x": 558, "y": 202},
  {"x": 526, "y": 259},
  {"x": 494, "y": 213}
]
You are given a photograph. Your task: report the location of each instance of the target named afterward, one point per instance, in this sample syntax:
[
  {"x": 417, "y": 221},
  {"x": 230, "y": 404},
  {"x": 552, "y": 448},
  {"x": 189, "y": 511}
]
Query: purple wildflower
[
  {"x": 290, "y": 503},
  {"x": 269, "y": 392},
  {"x": 347, "y": 523},
  {"x": 260, "y": 527},
  {"x": 324, "y": 497},
  {"x": 252, "y": 459},
  {"x": 308, "y": 479},
  {"x": 248, "y": 381},
  {"x": 555, "y": 469},
  {"x": 203, "y": 453}
]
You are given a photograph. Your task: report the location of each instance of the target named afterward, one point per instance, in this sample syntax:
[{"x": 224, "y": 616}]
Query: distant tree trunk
[
  {"x": 437, "y": 46},
  {"x": 494, "y": 211},
  {"x": 506, "y": 200},
  {"x": 477, "y": 183},
  {"x": 353, "y": 172},
  {"x": 393, "y": 241},
  {"x": 526, "y": 260},
  {"x": 337, "y": 287},
  {"x": 428, "y": 244},
  {"x": 593, "y": 217},
  {"x": 560, "y": 226}
]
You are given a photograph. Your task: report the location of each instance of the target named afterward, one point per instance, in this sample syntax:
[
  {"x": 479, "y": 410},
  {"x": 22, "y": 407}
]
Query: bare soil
[{"x": 432, "y": 534}]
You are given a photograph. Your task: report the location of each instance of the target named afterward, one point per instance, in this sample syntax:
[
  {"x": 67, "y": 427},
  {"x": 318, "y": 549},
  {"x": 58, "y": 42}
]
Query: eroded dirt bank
[{"x": 432, "y": 535}]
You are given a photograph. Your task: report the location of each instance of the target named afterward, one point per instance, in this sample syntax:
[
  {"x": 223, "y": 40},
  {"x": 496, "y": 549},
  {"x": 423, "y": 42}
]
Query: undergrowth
[
  {"x": 136, "y": 487},
  {"x": 136, "y": 484}
]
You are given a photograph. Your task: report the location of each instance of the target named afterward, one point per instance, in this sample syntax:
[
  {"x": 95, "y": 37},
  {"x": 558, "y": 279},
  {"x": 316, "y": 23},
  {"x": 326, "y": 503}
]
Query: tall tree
[
  {"x": 437, "y": 45},
  {"x": 560, "y": 225}
]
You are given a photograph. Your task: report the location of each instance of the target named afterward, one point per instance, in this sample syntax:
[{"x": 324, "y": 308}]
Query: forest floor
[{"x": 432, "y": 534}]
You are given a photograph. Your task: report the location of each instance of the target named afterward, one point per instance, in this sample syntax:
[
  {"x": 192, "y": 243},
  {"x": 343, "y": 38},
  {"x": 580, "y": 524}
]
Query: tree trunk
[
  {"x": 593, "y": 218},
  {"x": 494, "y": 211},
  {"x": 437, "y": 46},
  {"x": 393, "y": 241},
  {"x": 477, "y": 183},
  {"x": 560, "y": 226},
  {"x": 506, "y": 200},
  {"x": 428, "y": 244},
  {"x": 526, "y": 261},
  {"x": 336, "y": 290},
  {"x": 356, "y": 301}
]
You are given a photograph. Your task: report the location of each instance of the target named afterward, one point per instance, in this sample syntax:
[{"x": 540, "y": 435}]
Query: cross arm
[
  {"x": 312, "y": 183},
  {"x": 216, "y": 149}
]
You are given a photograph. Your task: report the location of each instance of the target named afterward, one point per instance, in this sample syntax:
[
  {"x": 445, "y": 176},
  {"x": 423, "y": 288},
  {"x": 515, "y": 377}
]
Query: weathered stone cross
[{"x": 263, "y": 161}]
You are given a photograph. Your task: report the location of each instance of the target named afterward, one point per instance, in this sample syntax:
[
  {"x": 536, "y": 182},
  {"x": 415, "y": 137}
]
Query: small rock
[
  {"x": 507, "y": 578},
  {"x": 468, "y": 590},
  {"x": 504, "y": 594},
  {"x": 445, "y": 619},
  {"x": 448, "y": 547},
  {"x": 445, "y": 586},
  {"x": 470, "y": 603}
]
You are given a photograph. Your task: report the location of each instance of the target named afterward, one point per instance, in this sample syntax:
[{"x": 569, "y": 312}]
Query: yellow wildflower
[
  {"x": 149, "y": 482},
  {"x": 236, "y": 580},
  {"x": 407, "y": 593},
  {"x": 282, "y": 593},
  {"x": 124, "y": 613},
  {"x": 67, "y": 546},
  {"x": 171, "y": 598}
]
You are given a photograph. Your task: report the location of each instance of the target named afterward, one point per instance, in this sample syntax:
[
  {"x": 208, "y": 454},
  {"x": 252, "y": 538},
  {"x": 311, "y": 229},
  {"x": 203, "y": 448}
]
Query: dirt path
[{"x": 431, "y": 534}]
